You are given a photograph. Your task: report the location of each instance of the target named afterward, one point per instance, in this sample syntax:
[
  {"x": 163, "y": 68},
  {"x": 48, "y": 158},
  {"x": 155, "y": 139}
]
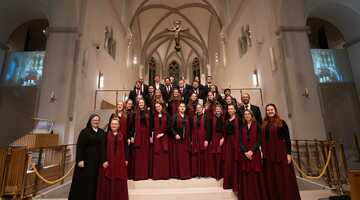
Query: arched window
[
  {"x": 196, "y": 67},
  {"x": 330, "y": 59},
  {"x": 25, "y": 59}
]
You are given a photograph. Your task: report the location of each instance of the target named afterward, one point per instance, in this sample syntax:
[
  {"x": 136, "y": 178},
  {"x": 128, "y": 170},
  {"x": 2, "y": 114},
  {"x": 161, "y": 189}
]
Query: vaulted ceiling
[{"x": 151, "y": 19}]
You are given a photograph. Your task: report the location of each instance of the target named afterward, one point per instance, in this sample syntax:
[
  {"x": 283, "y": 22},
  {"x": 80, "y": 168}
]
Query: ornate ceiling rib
[{"x": 143, "y": 8}]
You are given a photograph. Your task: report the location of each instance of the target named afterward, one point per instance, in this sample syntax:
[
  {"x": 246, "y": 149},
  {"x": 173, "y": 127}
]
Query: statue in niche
[
  {"x": 109, "y": 42},
  {"x": 245, "y": 40},
  {"x": 177, "y": 29}
]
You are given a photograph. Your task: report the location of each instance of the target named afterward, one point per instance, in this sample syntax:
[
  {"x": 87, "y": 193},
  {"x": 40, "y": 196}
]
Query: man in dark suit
[
  {"x": 144, "y": 88},
  {"x": 184, "y": 90},
  {"x": 158, "y": 85},
  {"x": 245, "y": 99},
  {"x": 136, "y": 92},
  {"x": 197, "y": 89},
  {"x": 209, "y": 82},
  {"x": 168, "y": 89}
]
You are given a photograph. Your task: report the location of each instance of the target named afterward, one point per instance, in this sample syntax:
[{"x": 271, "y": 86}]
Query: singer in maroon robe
[
  {"x": 231, "y": 149},
  {"x": 251, "y": 180},
  {"x": 161, "y": 168},
  {"x": 112, "y": 184},
  {"x": 141, "y": 142},
  {"x": 173, "y": 108},
  {"x": 191, "y": 106},
  {"x": 279, "y": 172},
  {"x": 174, "y": 102},
  {"x": 215, "y": 152},
  {"x": 130, "y": 118},
  {"x": 182, "y": 133},
  {"x": 200, "y": 136},
  {"x": 121, "y": 114},
  {"x": 210, "y": 105}
]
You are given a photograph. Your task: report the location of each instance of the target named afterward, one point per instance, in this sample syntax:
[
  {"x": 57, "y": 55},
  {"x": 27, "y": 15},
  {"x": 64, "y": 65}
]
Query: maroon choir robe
[
  {"x": 199, "y": 134},
  {"x": 161, "y": 168},
  {"x": 251, "y": 180},
  {"x": 112, "y": 184},
  {"x": 173, "y": 110},
  {"x": 191, "y": 109},
  {"x": 210, "y": 110},
  {"x": 181, "y": 126},
  {"x": 141, "y": 145},
  {"x": 123, "y": 123},
  {"x": 173, "y": 107},
  {"x": 231, "y": 154},
  {"x": 215, "y": 152},
  {"x": 130, "y": 120},
  {"x": 279, "y": 176}
]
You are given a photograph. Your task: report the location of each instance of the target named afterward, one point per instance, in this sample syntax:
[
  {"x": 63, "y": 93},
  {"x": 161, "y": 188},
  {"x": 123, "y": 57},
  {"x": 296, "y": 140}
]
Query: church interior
[{"x": 62, "y": 61}]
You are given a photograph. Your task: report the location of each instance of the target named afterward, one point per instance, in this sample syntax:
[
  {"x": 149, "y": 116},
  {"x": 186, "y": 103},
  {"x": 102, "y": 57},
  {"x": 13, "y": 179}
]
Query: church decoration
[
  {"x": 110, "y": 42},
  {"x": 177, "y": 29},
  {"x": 245, "y": 40}
]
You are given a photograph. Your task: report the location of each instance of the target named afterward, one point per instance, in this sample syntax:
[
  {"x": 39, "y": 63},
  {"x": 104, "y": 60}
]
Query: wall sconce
[
  {"x": 255, "y": 78},
  {"x": 101, "y": 80},
  {"x": 306, "y": 93},
  {"x": 135, "y": 60},
  {"x": 52, "y": 97},
  {"x": 217, "y": 57}
]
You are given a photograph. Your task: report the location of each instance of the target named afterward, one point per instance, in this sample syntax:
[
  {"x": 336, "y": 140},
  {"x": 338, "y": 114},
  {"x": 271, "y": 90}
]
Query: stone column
[
  {"x": 300, "y": 84},
  {"x": 55, "y": 98}
]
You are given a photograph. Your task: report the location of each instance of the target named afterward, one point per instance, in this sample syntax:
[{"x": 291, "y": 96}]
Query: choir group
[{"x": 182, "y": 131}]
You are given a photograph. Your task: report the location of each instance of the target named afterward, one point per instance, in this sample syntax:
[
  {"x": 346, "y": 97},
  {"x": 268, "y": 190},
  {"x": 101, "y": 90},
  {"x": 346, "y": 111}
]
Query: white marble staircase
[{"x": 193, "y": 189}]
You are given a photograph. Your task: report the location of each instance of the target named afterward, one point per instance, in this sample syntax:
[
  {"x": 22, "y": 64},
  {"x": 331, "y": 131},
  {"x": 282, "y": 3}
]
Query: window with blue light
[
  {"x": 24, "y": 68},
  {"x": 328, "y": 64}
]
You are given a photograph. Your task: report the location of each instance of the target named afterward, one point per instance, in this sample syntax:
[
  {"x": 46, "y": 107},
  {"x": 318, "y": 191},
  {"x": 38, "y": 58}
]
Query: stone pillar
[
  {"x": 55, "y": 98},
  {"x": 300, "y": 84}
]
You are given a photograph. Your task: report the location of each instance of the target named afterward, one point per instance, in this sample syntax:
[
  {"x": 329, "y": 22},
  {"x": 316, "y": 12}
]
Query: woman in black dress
[{"x": 90, "y": 154}]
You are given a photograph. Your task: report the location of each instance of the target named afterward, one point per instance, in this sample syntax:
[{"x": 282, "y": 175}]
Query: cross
[{"x": 177, "y": 29}]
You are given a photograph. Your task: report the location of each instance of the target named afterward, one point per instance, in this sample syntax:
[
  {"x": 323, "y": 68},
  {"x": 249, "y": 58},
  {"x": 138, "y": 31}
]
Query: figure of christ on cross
[{"x": 177, "y": 29}]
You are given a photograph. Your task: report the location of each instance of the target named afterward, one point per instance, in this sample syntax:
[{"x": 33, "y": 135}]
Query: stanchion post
[
  {"x": 317, "y": 153},
  {"x": 357, "y": 146},
  {"x": 298, "y": 153},
  {"x": 63, "y": 163},
  {"x": 307, "y": 156},
  {"x": 339, "y": 188},
  {"x": 39, "y": 166},
  {"x": 323, "y": 152},
  {"x": 344, "y": 163}
]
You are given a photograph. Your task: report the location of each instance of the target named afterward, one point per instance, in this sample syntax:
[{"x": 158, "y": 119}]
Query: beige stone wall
[
  {"x": 73, "y": 64},
  {"x": 283, "y": 77}
]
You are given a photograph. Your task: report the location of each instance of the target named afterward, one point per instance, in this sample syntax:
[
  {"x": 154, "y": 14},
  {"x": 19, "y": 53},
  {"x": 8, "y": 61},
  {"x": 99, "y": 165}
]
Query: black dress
[{"x": 90, "y": 149}]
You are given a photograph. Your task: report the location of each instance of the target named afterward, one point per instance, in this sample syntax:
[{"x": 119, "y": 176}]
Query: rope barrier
[
  {"x": 323, "y": 171},
  {"x": 49, "y": 181}
]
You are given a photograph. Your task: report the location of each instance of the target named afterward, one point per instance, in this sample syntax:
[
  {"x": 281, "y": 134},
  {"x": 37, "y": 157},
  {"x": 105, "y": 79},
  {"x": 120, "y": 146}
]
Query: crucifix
[{"x": 177, "y": 29}]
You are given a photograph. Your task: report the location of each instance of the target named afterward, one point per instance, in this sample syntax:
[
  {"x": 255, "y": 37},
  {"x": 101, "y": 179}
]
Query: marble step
[
  {"x": 199, "y": 193},
  {"x": 174, "y": 183}
]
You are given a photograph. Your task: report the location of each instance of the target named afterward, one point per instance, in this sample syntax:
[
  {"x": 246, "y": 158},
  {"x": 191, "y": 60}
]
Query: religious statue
[
  {"x": 177, "y": 29},
  {"x": 245, "y": 40},
  {"x": 110, "y": 42}
]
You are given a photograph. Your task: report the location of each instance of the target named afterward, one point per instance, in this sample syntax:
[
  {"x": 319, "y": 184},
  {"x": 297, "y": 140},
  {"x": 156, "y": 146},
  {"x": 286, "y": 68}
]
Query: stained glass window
[
  {"x": 24, "y": 68},
  {"x": 326, "y": 65}
]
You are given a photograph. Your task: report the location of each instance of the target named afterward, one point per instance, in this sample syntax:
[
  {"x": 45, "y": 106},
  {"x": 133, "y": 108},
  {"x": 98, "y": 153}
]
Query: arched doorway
[
  {"x": 25, "y": 57},
  {"x": 20, "y": 78}
]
